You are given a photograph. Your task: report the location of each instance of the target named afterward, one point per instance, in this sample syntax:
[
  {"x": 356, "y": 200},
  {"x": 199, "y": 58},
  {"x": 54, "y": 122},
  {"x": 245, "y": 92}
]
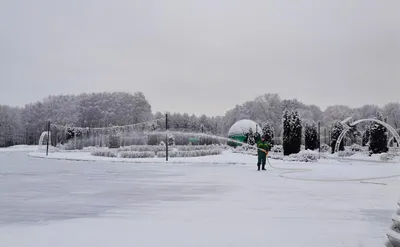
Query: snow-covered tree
[
  {"x": 286, "y": 132},
  {"x": 378, "y": 136},
  {"x": 268, "y": 132},
  {"x": 292, "y": 132},
  {"x": 365, "y": 136},
  {"x": 335, "y": 133},
  {"x": 392, "y": 111},
  {"x": 171, "y": 140},
  {"x": 310, "y": 136},
  {"x": 297, "y": 130},
  {"x": 250, "y": 138}
]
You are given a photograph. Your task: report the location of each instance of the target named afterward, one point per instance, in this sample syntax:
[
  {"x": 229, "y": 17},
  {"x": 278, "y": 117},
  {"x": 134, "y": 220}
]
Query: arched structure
[
  {"x": 347, "y": 128},
  {"x": 42, "y": 136}
]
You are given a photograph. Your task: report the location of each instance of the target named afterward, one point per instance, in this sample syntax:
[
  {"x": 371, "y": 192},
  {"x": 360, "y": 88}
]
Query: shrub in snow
[
  {"x": 346, "y": 153},
  {"x": 190, "y": 148},
  {"x": 387, "y": 156},
  {"x": 162, "y": 143},
  {"x": 114, "y": 141},
  {"x": 73, "y": 144},
  {"x": 104, "y": 153},
  {"x": 142, "y": 148},
  {"x": 325, "y": 148},
  {"x": 90, "y": 149},
  {"x": 193, "y": 153},
  {"x": 292, "y": 130},
  {"x": 378, "y": 137},
  {"x": 250, "y": 150},
  {"x": 356, "y": 148},
  {"x": 310, "y": 136},
  {"x": 133, "y": 154},
  {"x": 304, "y": 156},
  {"x": 336, "y": 130},
  {"x": 277, "y": 149}
]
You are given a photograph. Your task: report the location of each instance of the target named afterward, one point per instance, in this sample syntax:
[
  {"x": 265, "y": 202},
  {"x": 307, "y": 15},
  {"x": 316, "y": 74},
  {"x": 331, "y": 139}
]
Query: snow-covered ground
[
  {"x": 207, "y": 201},
  {"x": 20, "y": 148}
]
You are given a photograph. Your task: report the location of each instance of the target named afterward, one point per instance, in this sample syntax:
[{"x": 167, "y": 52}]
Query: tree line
[{"x": 23, "y": 125}]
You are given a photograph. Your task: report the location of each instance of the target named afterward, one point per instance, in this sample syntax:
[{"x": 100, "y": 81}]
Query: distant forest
[{"x": 25, "y": 125}]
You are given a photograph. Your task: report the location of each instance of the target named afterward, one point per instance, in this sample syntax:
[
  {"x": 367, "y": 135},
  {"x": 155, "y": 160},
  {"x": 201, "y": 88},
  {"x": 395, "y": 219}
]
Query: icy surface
[{"x": 62, "y": 203}]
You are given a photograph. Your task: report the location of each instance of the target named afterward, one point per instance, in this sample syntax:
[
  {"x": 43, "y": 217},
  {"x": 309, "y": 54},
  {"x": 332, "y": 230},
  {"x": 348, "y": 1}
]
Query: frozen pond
[{"x": 66, "y": 203}]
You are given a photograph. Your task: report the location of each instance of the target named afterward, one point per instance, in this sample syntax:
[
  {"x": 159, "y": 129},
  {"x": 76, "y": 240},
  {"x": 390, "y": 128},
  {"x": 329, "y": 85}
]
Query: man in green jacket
[{"x": 262, "y": 148}]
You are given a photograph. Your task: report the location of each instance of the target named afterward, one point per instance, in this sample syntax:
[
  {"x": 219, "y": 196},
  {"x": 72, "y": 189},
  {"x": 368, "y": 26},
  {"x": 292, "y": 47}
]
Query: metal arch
[{"x": 347, "y": 128}]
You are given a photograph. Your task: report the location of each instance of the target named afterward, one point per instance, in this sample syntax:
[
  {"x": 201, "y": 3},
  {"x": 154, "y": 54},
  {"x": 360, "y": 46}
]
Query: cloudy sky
[{"x": 202, "y": 56}]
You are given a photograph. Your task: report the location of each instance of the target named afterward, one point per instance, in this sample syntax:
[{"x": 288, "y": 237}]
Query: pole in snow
[
  {"x": 166, "y": 138},
  {"x": 48, "y": 138}
]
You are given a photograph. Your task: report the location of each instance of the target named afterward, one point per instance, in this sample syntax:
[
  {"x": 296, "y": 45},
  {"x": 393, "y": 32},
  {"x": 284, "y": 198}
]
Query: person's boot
[
  {"x": 263, "y": 167},
  {"x": 258, "y": 167}
]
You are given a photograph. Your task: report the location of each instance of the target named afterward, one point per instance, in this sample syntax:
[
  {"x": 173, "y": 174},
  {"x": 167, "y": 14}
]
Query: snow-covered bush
[
  {"x": 90, "y": 149},
  {"x": 387, "y": 156},
  {"x": 346, "y": 153},
  {"x": 245, "y": 150},
  {"x": 277, "y": 149},
  {"x": 304, "y": 156},
  {"x": 356, "y": 148},
  {"x": 104, "y": 153},
  {"x": 133, "y": 154},
  {"x": 193, "y": 153},
  {"x": 142, "y": 148},
  {"x": 114, "y": 141},
  {"x": 192, "y": 148},
  {"x": 325, "y": 148},
  {"x": 73, "y": 144},
  {"x": 163, "y": 154}
]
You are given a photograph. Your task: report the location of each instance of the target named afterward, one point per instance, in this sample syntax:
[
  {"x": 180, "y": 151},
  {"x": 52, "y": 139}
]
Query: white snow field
[{"x": 47, "y": 203}]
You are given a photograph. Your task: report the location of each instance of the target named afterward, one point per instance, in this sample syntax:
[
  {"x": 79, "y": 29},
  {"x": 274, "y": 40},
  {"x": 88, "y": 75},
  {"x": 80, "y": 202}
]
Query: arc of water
[
  {"x": 42, "y": 136},
  {"x": 347, "y": 128}
]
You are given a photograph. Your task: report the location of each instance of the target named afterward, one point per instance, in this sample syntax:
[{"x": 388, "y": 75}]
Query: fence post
[
  {"x": 48, "y": 138},
  {"x": 166, "y": 143}
]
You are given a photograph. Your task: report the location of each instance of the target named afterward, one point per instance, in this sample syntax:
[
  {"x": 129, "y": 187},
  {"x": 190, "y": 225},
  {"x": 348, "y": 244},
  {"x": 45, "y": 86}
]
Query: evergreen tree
[
  {"x": 296, "y": 132},
  {"x": 378, "y": 137},
  {"x": 292, "y": 130},
  {"x": 310, "y": 136},
  {"x": 286, "y": 132},
  {"x": 365, "y": 137},
  {"x": 250, "y": 138},
  {"x": 171, "y": 140},
  {"x": 268, "y": 133},
  {"x": 335, "y": 133}
]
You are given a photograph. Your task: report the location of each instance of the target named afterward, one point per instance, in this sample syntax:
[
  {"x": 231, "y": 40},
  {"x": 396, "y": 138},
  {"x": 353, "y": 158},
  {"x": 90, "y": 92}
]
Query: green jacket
[{"x": 262, "y": 145}]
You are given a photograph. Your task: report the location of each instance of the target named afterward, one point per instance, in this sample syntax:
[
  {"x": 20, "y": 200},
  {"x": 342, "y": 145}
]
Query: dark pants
[{"x": 262, "y": 158}]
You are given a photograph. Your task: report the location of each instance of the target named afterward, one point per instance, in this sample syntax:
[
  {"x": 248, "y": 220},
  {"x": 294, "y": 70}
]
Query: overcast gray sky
[{"x": 202, "y": 56}]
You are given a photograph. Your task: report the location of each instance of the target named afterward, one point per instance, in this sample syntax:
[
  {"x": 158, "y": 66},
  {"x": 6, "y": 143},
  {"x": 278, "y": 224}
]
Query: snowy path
[{"x": 64, "y": 203}]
